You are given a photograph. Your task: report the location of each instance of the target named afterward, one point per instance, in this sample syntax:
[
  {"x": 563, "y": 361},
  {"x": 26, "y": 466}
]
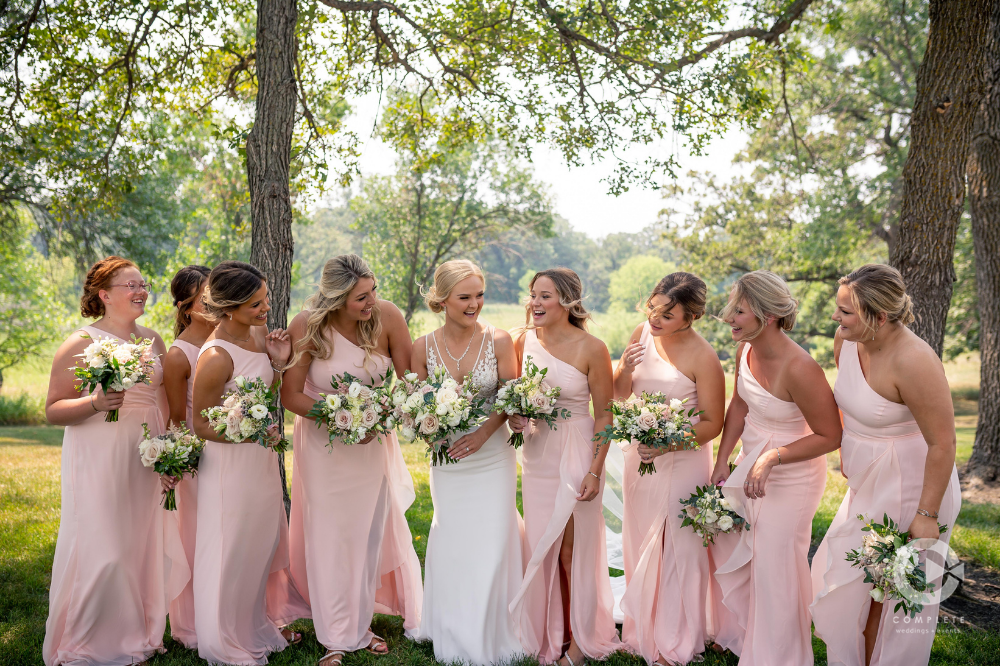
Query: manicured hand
[
  {"x": 589, "y": 488},
  {"x": 632, "y": 356},
  {"x": 720, "y": 474},
  {"x": 467, "y": 445},
  {"x": 517, "y": 422},
  {"x": 105, "y": 402},
  {"x": 647, "y": 453},
  {"x": 278, "y": 346},
  {"x": 923, "y": 527},
  {"x": 753, "y": 487},
  {"x": 168, "y": 482}
]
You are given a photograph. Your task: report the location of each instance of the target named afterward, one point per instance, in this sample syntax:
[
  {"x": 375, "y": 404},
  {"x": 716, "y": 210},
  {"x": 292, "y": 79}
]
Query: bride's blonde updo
[
  {"x": 879, "y": 289},
  {"x": 767, "y": 295},
  {"x": 569, "y": 287},
  {"x": 340, "y": 276},
  {"x": 446, "y": 278}
]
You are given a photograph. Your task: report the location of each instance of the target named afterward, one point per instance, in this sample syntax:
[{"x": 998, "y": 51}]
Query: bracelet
[
  {"x": 779, "y": 454},
  {"x": 276, "y": 370},
  {"x": 923, "y": 512},
  {"x": 92, "y": 403},
  {"x": 594, "y": 475}
]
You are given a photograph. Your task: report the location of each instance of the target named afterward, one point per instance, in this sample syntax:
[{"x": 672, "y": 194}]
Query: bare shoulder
[
  {"x": 502, "y": 340},
  {"x": 518, "y": 335},
  {"x": 838, "y": 344},
  {"x": 215, "y": 358},
  {"x": 704, "y": 354},
  {"x": 72, "y": 346},
  {"x": 390, "y": 312},
  {"x": 914, "y": 360},
  {"x": 593, "y": 346},
  {"x": 803, "y": 369},
  {"x": 637, "y": 333},
  {"x": 176, "y": 361},
  {"x": 299, "y": 322}
]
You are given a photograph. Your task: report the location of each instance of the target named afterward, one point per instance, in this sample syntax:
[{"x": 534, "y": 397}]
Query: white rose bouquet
[
  {"x": 530, "y": 396},
  {"x": 435, "y": 410},
  {"x": 174, "y": 453},
  {"x": 892, "y": 566},
  {"x": 354, "y": 410},
  {"x": 115, "y": 366},
  {"x": 654, "y": 421},
  {"x": 709, "y": 513},
  {"x": 247, "y": 413}
]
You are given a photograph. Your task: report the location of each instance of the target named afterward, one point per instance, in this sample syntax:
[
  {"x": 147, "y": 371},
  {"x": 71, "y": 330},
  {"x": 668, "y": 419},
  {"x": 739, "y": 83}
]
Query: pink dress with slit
[
  {"x": 883, "y": 454},
  {"x": 116, "y": 565},
  {"x": 182, "y": 608},
  {"x": 766, "y": 582},
  {"x": 553, "y": 467},
  {"x": 666, "y": 566},
  {"x": 351, "y": 550},
  {"x": 242, "y": 590}
]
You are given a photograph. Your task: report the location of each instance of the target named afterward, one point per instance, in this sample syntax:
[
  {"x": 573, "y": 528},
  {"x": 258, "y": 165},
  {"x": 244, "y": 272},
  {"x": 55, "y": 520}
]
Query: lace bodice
[{"x": 484, "y": 373}]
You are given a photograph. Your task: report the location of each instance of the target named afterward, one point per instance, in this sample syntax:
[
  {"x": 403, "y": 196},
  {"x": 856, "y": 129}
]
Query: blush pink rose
[
  {"x": 429, "y": 424},
  {"x": 646, "y": 420},
  {"x": 343, "y": 419},
  {"x": 368, "y": 418},
  {"x": 540, "y": 402}
]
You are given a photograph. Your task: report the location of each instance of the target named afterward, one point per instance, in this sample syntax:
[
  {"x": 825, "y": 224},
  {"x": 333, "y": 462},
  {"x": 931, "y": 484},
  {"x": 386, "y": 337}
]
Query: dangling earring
[{"x": 230, "y": 316}]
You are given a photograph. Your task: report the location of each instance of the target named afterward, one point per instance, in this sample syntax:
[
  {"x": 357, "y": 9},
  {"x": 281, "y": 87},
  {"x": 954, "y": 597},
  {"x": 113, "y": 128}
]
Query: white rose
[
  {"x": 127, "y": 383},
  {"x": 877, "y": 595},
  {"x": 123, "y": 354},
  {"x": 724, "y": 503},
  {"x": 362, "y": 432},
  {"x": 231, "y": 402},
  {"x": 441, "y": 410},
  {"x": 152, "y": 452},
  {"x": 258, "y": 411},
  {"x": 97, "y": 362},
  {"x": 676, "y": 404},
  {"x": 410, "y": 377},
  {"x": 116, "y": 386},
  {"x": 710, "y": 517},
  {"x": 240, "y": 381},
  {"x": 398, "y": 398},
  {"x": 355, "y": 390},
  {"x": 447, "y": 396},
  {"x": 408, "y": 434},
  {"x": 454, "y": 420},
  {"x": 449, "y": 383},
  {"x": 725, "y": 523}
]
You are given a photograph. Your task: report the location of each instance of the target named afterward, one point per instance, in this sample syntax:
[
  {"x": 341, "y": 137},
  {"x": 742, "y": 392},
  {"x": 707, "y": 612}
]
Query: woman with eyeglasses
[{"x": 107, "y": 600}]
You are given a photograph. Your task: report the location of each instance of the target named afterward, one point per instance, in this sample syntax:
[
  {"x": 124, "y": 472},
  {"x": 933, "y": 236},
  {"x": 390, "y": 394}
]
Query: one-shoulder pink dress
[
  {"x": 553, "y": 467},
  {"x": 666, "y": 566},
  {"x": 766, "y": 582},
  {"x": 351, "y": 548},
  {"x": 114, "y": 573},
  {"x": 883, "y": 456},
  {"x": 242, "y": 590},
  {"x": 182, "y": 608}
]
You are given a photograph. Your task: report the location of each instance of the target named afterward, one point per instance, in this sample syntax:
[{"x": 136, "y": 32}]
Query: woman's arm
[
  {"x": 64, "y": 405},
  {"x": 812, "y": 395},
  {"x": 733, "y": 425},
  {"x": 517, "y": 422},
  {"x": 924, "y": 389},
  {"x": 600, "y": 379},
  {"x": 215, "y": 367},
  {"x": 293, "y": 395},
  {"x": 631, "y": 357},
  {"x": 176, "y": 372},
  {"x": 400, "y": 343},
  {"x": 710, "y": 384},
  {"x": 503, "y": 348}
]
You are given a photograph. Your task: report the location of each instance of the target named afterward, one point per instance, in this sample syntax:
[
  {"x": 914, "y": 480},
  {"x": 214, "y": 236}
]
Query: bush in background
[{"x": 21, "y": 409}]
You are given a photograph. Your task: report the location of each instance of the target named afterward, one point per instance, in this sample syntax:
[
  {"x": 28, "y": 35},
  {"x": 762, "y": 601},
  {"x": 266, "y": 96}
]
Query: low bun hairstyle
[
  {"x": 100, "y": 276},
  {"x": 446, "y": 278},
  {"x": 767, "y": 295},
  {"x": 230, "y": 285},
  {"x": 185, "y": 287},
  {"x": 570, "y": 290},
  {"x": 879, "y": 289},
  {"x": 680, "y": 288}
]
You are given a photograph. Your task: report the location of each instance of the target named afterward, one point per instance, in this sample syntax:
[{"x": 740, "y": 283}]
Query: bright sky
[{"x": 580, "y": 195}]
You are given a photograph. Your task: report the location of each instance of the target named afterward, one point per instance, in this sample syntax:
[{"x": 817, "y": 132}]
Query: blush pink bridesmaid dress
[
  {"x": 553, "y": 467},
  {"x": 114, "y": 570},
  {"x": 351, "y": 549},
  {"x": 883, "y": 456},
  {"x": 766, "y": 582},
  {"x": 182, "y": 608},
  {"x": 242, "y": 590},
  {"x": 666, "y": 566}
]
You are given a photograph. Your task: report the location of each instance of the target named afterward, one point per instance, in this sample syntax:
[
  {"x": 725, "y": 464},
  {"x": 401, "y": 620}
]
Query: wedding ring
[{"x": 466, "y": 449}]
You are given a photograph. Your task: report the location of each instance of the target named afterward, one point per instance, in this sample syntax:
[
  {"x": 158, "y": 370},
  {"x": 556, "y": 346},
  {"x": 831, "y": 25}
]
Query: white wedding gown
[{"x": 473, "y": 566}]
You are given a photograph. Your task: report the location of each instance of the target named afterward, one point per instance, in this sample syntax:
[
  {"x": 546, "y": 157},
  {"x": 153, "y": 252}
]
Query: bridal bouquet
[
  {"x": 115, "y": 366},
  {"x": 708, "y": 513},
  {"x": 435, "y": 410},
  {"x": 353, "y": 411},
  {"x": 654, "y": 421},
  {"x": 529, "y": 396},
  {"x": 246, "y": 413},
  {"x": 174, "y": 453},
  {"x": 892, "y": 565}
]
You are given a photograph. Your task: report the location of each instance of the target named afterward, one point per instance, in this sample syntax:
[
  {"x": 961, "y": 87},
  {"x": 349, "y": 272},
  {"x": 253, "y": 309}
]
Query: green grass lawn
[{"x": 29, "y": 519}]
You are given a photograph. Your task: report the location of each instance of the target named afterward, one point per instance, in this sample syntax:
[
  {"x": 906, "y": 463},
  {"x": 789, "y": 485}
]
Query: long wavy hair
[
  {"x": 569, "y": 287},
  {"x": 340, "y": 276}
]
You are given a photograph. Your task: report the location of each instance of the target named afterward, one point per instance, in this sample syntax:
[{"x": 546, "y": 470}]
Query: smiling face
[
  {"x": 544, "y": 304},
  {"x": 665, "y": 322},
  {"x": 119, "y": 301},
  {"x": 852, "y": 326},
  {"x": 743, "y": 322},
  {"x": 465, "y": 301},
  {"x": 361, "y": 301},
  {"x": 254, "y": 312}
]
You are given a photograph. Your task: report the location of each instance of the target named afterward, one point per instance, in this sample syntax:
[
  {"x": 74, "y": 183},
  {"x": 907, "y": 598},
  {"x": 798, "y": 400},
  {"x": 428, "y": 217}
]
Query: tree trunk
[
  {"x": 949, "y": 90},
  {"x": 984, "y": 199},
  {"x": 269, "y": 151}
]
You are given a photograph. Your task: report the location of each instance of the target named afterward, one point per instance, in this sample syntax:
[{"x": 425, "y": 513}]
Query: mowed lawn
[{"x": 29, "y": 519}]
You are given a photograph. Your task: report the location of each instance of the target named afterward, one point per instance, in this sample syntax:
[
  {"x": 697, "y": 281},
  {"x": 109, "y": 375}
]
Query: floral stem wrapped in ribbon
[
  {"x": 174, "y": 453},
  {"x": 653, "y": 421},
  {"x": 115, "y": 366},
  {"x": 708, "y": 513},
  {"x": 435, "y": 410},
  {"x": 247, "y": 413},
  {"x": 892, "y": 565},
  {"x": 530, "y": 396},
  {"x": 354, "y": 410}
]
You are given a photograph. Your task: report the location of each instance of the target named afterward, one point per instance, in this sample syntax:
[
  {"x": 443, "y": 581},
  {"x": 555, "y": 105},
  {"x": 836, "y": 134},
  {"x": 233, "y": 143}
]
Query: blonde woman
[
  {"x": 351, "y": 549},
  {"x": 563, "y": 611},
  {"x": 898, "y": 454},
  {"x": 473, "y": 561},
  {"x": 783, "y": 411}
]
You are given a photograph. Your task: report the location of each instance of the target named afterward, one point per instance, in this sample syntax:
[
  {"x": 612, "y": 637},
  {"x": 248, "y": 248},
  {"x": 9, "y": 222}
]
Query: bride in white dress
[{"x": 473, "y": 568}]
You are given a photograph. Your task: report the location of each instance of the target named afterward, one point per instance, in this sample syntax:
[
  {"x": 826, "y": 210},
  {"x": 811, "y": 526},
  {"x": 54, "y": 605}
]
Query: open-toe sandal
[
  {"x": 376, "y": 643},
  {"x": 332, "y": 658},
  {"x": 292, "y": 637}
]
